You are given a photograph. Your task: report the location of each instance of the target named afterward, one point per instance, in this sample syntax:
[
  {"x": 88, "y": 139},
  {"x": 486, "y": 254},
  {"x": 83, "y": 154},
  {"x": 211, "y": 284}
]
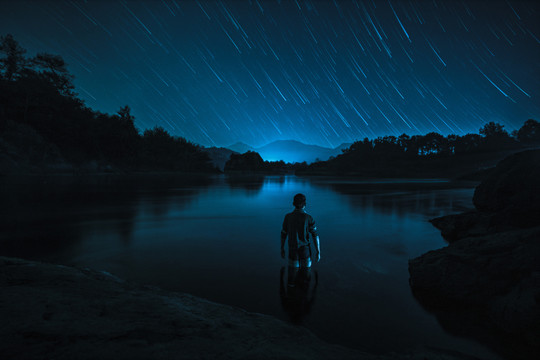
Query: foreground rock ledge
[
  {"x": 487, "y": 288},
  {"x": 59, "y": 312}
]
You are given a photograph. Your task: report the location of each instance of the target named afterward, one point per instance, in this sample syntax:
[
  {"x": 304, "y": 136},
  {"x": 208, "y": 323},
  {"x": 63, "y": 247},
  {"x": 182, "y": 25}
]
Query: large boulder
[
  {"x": 474, "y": 270},
  {"x": 512, "y": 190},
  {"x": 508, "y": 198},
  {"x": 485, "y": 287},
  {"x": 459, "y": 226},
  {"x": 486, "y": 282}
]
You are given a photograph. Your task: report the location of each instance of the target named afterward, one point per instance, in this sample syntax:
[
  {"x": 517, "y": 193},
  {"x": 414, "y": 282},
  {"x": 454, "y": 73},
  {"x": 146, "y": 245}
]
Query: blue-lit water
[{"x": 218, "y": 238}]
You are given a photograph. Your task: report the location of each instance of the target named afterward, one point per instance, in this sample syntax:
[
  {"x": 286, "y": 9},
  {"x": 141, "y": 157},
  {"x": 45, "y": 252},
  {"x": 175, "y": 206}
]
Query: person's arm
[
  {"x": 317, "y": 244},
  {"x": 284, "y": 233},
  {"x": 312, "y": 228}
]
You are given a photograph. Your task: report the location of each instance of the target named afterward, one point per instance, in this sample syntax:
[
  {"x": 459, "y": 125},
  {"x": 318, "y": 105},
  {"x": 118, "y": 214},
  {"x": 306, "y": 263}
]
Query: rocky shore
[
  {"x": 59, "y": 312},
  {"x": 486, "y": 283}
]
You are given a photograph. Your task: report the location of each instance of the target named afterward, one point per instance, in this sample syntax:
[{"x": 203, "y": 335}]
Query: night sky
[{"x": 321, "y": 72}]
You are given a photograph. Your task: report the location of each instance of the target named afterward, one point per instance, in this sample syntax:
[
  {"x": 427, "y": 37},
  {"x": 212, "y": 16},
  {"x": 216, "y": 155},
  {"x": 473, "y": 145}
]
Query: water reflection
[
  {"x": 45, "y": 217},
  {"x": 297, "y": 295},
  {"x": 405, "y": 198},
  {"x": 250, "y": 184}
]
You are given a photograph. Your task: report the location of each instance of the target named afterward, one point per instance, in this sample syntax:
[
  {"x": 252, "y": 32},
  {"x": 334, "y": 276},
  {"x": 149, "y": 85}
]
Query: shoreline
[
  {"x": 61, "y": 312},
  {"x": 56, "y": 311}
]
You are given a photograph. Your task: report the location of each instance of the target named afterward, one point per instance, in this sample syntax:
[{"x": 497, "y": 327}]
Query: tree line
[
  {"x": 492, "y": 137},
  {"x": 429, "y": 155},
  {"x": 43, "y": 122}
]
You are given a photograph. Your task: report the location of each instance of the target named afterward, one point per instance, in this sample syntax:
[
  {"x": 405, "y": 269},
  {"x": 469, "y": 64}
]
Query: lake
[{"x": 218, "y": 237}]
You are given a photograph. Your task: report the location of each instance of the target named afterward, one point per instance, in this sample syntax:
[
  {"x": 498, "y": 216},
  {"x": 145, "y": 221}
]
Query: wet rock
[
  {"x": 459, "y": 226},
  {"x": 485, "y": 287},
  {"x": 486, "y": 282},
  {"x": 474, "y": 270},
  {"x": 508, "y": 198}
]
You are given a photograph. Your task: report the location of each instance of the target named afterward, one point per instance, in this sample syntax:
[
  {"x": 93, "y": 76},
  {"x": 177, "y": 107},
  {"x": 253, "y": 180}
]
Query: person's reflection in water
[{"x": 296, "y": 297}]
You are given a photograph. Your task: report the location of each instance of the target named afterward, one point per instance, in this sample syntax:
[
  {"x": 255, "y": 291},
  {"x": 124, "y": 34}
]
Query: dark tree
[
  {"x": 13, "y": 62},
  {"x": 117, "y": 138},
  {"x": 161, "y": 151},
  {"x": 529, "y": 133},
  {"x": 404, "y": 142},
  {"x": 125, "y": 115},
  {"x": 451, "y": 140},
  {"x": 158, "y": 147},
  {"x": 433, "y": 143},
  {"x": 386, "y": 146},
  {"x": 493, "y": 130},
  {"x": 54, "y": 69},
  {"x": 249, "y": 161},
  {"x": 467, "y": 144},
  {"x": 39, "y": 110},
  {"x": 495, "y": 137}
]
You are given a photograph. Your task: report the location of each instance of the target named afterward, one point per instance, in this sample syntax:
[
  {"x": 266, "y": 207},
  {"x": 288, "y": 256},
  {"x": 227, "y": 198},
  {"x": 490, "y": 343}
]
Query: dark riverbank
[{"x": 59, "y": 312}]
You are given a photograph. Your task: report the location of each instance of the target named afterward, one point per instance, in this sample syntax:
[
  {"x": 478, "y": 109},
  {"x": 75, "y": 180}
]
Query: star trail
[{"x": 321, "y": 72}]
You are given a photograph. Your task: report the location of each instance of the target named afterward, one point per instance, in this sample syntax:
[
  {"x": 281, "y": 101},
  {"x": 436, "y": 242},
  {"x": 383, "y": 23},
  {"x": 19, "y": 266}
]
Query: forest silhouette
[
  {"x": 45, "y": 125},
  {"x": 432, "y": 154}
]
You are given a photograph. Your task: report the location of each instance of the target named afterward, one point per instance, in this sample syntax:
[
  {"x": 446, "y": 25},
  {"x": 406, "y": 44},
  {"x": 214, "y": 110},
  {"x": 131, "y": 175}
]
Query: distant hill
[
  {"x": 219, "y": 156},
  {"x": 240, "y": 147},
  {"x": 294, "y": 151},
  {"x": 290, "y": 151}
]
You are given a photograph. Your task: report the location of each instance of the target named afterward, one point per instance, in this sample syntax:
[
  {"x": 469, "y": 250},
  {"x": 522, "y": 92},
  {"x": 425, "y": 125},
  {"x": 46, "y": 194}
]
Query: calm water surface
[{"x": 218, "y": 238}]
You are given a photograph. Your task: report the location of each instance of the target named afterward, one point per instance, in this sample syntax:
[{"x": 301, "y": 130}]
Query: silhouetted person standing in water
[{"x": 297, "y": 227}]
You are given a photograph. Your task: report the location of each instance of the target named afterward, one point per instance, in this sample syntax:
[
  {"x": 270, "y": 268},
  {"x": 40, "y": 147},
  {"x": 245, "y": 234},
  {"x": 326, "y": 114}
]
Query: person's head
[{"x": 299, "y": 201}]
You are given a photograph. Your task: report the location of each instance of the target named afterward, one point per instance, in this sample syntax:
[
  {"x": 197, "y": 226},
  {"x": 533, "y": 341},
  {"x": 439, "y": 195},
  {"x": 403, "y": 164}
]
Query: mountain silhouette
[
  {"x": 290, "y": 151},
  {"x": 240, "y": 147}
]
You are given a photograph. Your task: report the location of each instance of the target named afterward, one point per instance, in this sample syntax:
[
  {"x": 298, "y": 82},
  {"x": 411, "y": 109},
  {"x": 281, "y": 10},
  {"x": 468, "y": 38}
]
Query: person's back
[{"x": 297, "y": 228}]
